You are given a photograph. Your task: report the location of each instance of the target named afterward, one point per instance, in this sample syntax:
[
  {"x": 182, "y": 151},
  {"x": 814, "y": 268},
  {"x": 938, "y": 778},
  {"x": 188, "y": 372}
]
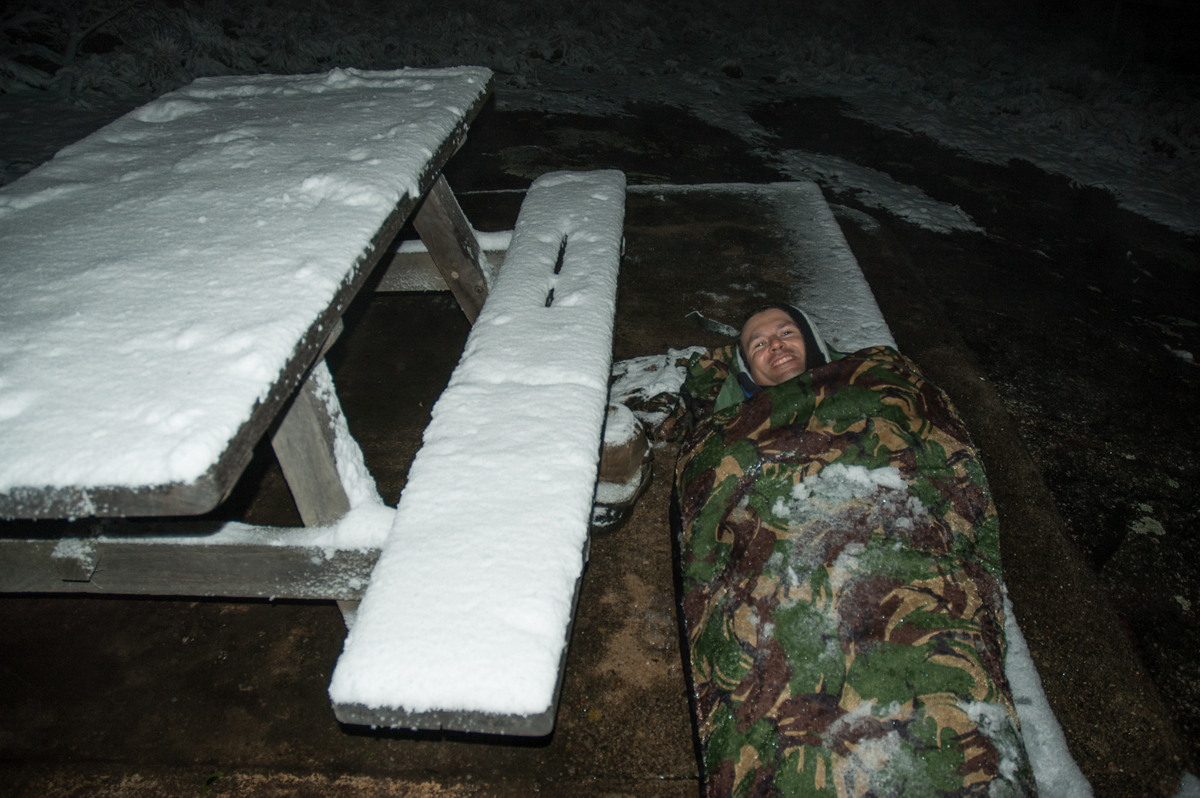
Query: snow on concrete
[
  {"x": 1053, "y": 767},
  {"x": 825, "y": 279},
  {"x": 827, "y": 282},
  {"x": 877, "y": 189}
]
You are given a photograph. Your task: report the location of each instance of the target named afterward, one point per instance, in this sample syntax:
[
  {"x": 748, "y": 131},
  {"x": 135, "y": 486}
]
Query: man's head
[
  {"x": 773, "y": 346},
  {"x": 779, "y": 342}
]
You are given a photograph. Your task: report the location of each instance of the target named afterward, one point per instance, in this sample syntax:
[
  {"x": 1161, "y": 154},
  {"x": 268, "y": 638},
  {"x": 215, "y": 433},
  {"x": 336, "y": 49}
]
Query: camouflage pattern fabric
[{"x": 842, "y": 600}]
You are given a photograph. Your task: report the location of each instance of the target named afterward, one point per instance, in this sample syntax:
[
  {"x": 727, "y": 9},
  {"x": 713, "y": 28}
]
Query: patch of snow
[
  {"x": 638, "y": 380},
  {"x": 356, "y": 480},
  {"x": 364, "y": 528},
  {"x": 620, "y": 425},
  {"x": 836, "y": 484},
  {"x": 826, "y": 280},
  {"x": 74, "y": 549},
  {"x": 1054, "y": 769},
  {"x": 876, "y": 189},
  {"x": 610, "y": 493}
]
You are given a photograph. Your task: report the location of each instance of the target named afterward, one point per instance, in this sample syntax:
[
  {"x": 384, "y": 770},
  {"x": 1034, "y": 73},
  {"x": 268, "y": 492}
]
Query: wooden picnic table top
[{"x": 166, "y": 283}]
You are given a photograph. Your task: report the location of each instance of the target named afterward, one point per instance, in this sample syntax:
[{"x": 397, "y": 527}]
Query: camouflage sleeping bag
[{"x": 841, "y": 588}]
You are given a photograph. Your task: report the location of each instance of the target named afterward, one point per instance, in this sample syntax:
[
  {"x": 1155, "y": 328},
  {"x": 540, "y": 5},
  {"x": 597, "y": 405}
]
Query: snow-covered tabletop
[{"x": 166, "y": 282}]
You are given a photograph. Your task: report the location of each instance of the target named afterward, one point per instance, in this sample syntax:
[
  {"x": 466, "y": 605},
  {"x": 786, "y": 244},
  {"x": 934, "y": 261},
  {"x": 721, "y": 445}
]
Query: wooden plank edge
[{"x": 161, "y": 567}]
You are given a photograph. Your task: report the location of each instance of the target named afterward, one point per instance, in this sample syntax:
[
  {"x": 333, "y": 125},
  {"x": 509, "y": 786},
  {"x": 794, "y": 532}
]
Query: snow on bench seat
[{"x": 465, "y": 622}]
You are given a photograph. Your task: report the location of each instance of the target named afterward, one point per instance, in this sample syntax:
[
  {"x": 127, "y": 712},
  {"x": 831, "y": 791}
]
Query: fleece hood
[{"x": 817, "y": 353}]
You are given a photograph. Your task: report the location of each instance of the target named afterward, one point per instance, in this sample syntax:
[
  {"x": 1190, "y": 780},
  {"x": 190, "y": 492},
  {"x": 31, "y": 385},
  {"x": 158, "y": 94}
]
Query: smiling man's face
[{"x": 774, "y": 347}]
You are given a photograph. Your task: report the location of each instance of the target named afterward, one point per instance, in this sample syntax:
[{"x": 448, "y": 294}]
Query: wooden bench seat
[{"x": 466, "y": 619}]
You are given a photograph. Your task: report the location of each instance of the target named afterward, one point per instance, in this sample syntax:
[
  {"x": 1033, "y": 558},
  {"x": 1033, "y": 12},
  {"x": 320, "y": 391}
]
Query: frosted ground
[
  {"x": 999, "y": 88},
  {"x": 997, "y": 94}
]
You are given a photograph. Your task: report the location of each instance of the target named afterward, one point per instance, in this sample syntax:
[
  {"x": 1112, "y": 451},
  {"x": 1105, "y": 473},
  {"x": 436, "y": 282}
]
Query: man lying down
[{"x": 841, "y": 576}]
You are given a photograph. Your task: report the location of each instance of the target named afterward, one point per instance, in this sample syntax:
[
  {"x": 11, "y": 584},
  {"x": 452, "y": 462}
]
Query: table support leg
[
  {"x": 452, "y": 244},
  {"x": 304, "y": 446}
]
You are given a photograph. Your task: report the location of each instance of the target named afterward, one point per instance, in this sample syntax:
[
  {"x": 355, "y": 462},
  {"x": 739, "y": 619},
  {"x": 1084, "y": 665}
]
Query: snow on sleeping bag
[{"x": 841, "y": 588}]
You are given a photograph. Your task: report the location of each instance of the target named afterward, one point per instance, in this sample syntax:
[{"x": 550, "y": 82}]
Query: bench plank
[
  {"x": 177, "y": 560},
  {"x": 466, "y": 620}
]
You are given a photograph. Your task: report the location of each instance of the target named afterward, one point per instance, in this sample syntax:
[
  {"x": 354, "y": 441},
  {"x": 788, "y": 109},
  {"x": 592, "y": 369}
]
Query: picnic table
[
  {"x": 190, "y": 338},
  {"x": 168, "y": 288}
]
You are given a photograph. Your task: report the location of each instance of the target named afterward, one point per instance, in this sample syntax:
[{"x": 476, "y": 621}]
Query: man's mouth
[{"x": 779, "y": 361}]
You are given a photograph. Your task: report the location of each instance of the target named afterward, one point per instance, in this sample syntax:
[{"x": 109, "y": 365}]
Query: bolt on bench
[{"x": 168, "y": 288}]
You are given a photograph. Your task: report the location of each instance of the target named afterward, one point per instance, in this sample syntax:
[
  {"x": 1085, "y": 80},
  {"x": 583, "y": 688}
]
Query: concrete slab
[{"x": 110, "y": 696}]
